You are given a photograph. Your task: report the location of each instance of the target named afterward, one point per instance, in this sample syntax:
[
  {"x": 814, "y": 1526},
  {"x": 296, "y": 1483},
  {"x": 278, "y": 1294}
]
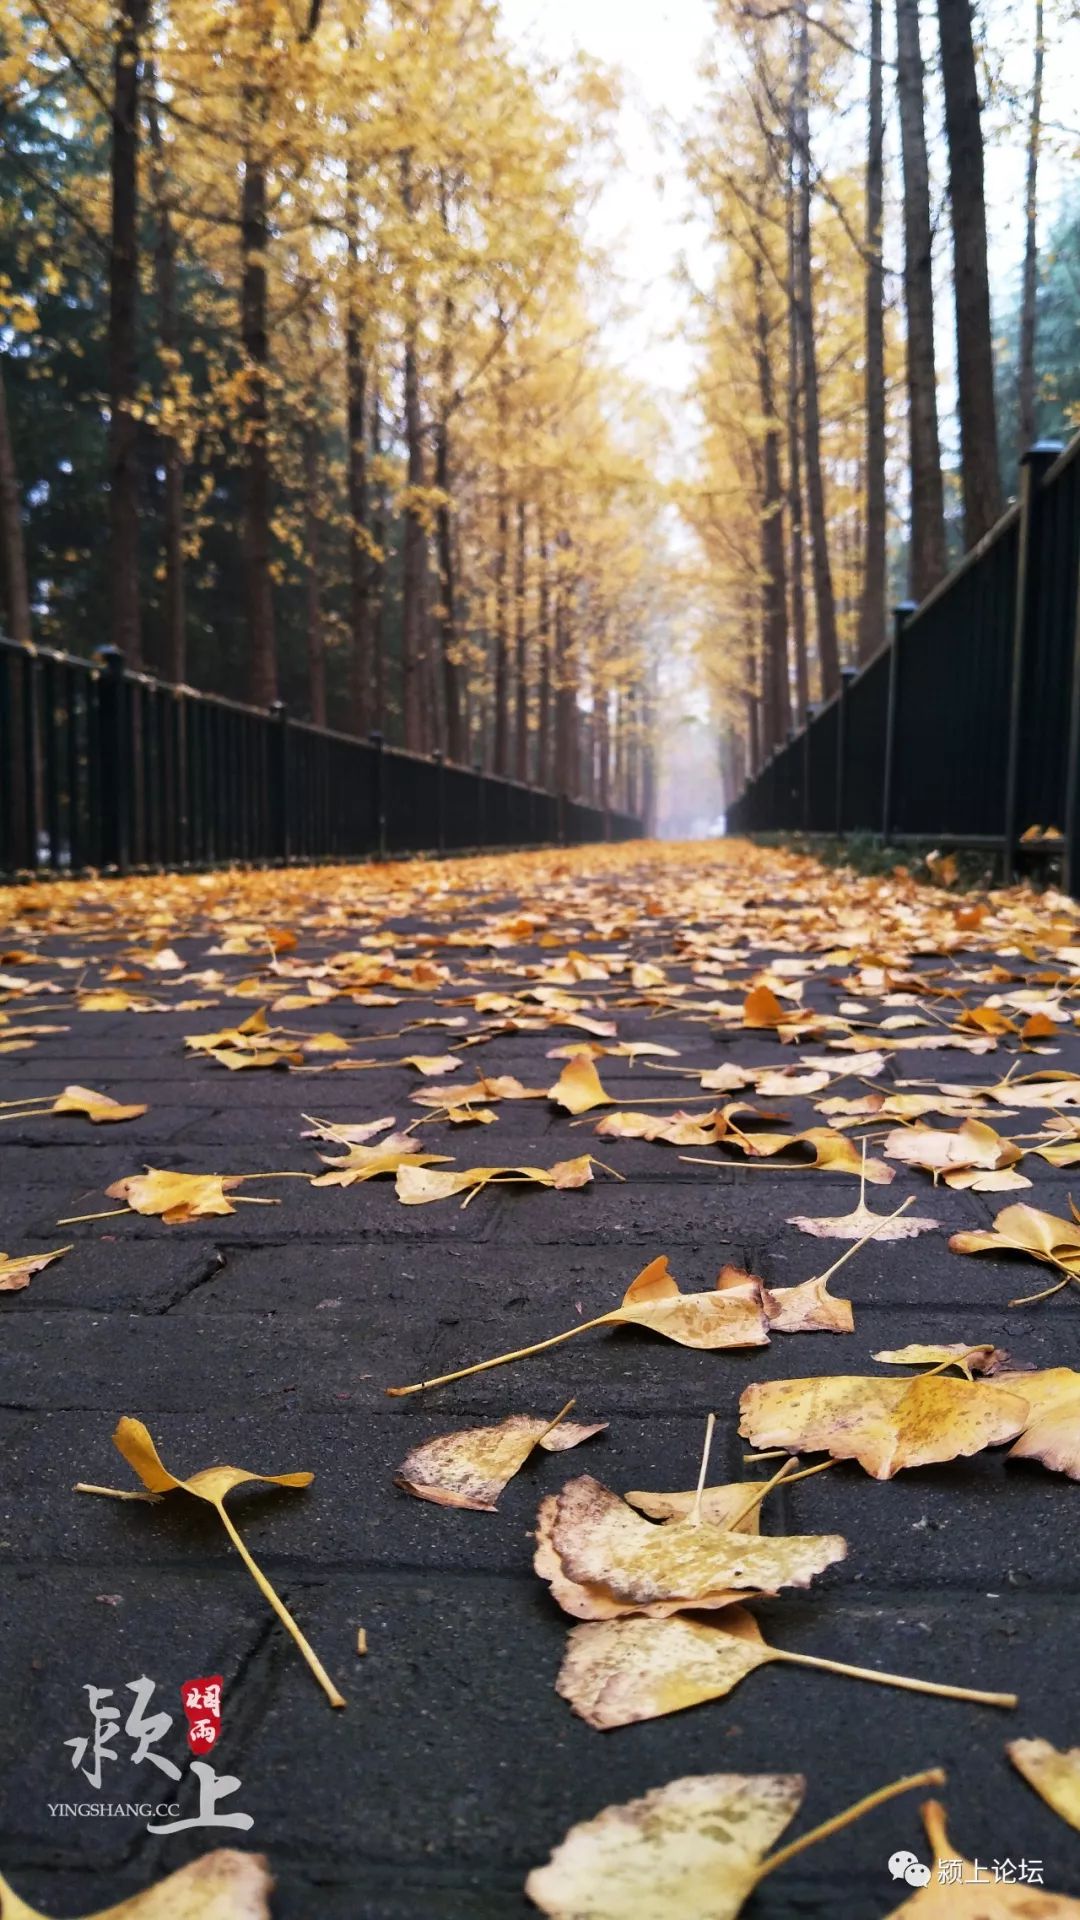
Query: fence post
[
  {"x": 481, "y": 804},
  {"x": 1034, "y": 464},
  {"x": 440, "y": 799},
  {"x": 379, "y": 744},
  {"x": 901, "y": 615},
  {"x": 279, "y": 783},
  {"x": 847, "y": 675},
  {"x": 114, "y": 743}
]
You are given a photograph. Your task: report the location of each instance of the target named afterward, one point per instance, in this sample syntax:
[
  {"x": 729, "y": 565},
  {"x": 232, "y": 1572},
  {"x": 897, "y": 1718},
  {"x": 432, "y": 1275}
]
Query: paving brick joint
[{"x": 267, "y": 1338}]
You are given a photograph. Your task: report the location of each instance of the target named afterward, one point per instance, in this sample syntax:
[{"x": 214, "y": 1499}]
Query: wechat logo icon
[{"x": 905, "y": 1866}]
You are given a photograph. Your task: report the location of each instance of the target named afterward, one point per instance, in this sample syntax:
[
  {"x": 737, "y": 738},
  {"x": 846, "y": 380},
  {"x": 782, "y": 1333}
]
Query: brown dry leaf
[
  {"x": 177, "y": 1197},
  {"x": 416, "y": 1186},
  {"x": 361, "y": 1162},
  {"x": 862, "y": 1220},
  {"x": 761, "y": 1008},
  {"x": 732, "y": 1315},
  {"x": 578, "y": 1088},
  {"x": 974, "y": 1897},
  {"x": 600, "y": 1542},
  {"x": 470, "y": 1468},
  {"x": 690, "y": 1849},
  {"x": 211, "y": 1484},
  {"x": 724, "y": 1506},
  {"x": 223, "y": 1885},
  {"x": 17, "y": 1268},
  {"x": 96, "y": 1106},
  {"x": 1054, "y": 1775},
  {"x": 808, "y": 1308},
  {"x": 1052, "y": 1433},
  {"x": 616, "y": 1672},
  {"x": 974, "y": 1156},
  {"x": 969, "y": 1359},
  {"x": 1023, "y": 1229},
  {"x": 883, "y": 1424}
]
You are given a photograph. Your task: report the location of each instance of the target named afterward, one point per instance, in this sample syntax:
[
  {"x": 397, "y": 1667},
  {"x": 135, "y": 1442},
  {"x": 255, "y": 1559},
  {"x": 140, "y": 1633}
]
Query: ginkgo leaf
[
  {"x": 470, "y": 1116},
  {"x": 97, "y": 1107},
  {"x": 616, "y": 1672},
  {"x": 347, "y": 1132},
  {"x": 500, "y": 1086},
  {"x": 432, "y": 1065},
  {"x": 729, "y": 1316},
  {"x": 969, "y": 1359},
  {"x": 862, "y": 1220},
  {"x": 1054, "y": 1775},
  {"x": 388, "y": 1155},
  {"x": 963, "y": 1892},
  {"x": 211, "y": 1484},
  {"x": 601, "y": 1542},
  {"x": 808, "y": 1308},
  {"x": 883, "y": 1424},
  {"x": 974, "y": 1156},
  {"x": 833, "y": 1152},
  {"x": 177, "y": 1197},
  {"x": 16, "y": 1268},
  {"x": 250, "y": 1032},
  {"x": 578, "y": 1088},
  {"x": 1023, "y": 1229},
  {"x": 416, "y": 1185},
  {"x": 223, "y": 1885},
  {"x": 695, "y": 1848},
  {"x": 1052, "y": 1432},
  {"x": 273, "y": 1056},
  {"x": 470, "y": 1468},
  {"x": 722, "y": 1506}
]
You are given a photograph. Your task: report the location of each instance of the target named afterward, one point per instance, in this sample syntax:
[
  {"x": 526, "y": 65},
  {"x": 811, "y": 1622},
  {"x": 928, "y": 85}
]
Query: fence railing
[
  {"x": 964, "y": 728},
  {"x": 102, "y": 768}
]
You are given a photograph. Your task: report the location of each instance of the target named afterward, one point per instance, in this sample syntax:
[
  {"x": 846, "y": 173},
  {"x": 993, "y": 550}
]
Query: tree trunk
[
  {"x": 566, "y": 743},
  {"x": 360, "y": 688},
  {"x": 974, "y": 343},
  {"x": 414, "y": 550},
  {"x": 17, "y": 591},
  {"x": 174, "y": 638},
  {"x": 254, "y": 239},
  {"x": 824, "y": 602},
  {"x": 502, "y": 614},
  {"x": 927, "y": 548},
  {"x": 316, "y": 639},
  {"x": 447, "y": 611},
  {"x": 1026, "y": 424},
  {"x": 521, "y": 712},
  {"x": 377, "y": 577},
  {"x": 544, "y": 642},
  {"x": 796, "y": 569},
  {"x": 125, "y": 628},
  {"x": 872, "y": 609},
  {"x": 773, "y": 573}
]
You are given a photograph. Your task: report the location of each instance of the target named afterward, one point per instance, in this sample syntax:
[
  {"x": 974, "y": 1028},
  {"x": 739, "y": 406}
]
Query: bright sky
[{"x": 641, "y": 213}]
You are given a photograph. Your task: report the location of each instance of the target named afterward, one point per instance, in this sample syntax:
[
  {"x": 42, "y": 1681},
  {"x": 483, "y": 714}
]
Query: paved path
[{"x": 267, "y": 1338}]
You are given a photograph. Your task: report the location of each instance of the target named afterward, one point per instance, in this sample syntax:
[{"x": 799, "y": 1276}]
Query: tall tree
[
  {"x": 414, "y": 550},
  {"x": 1030, "y": 281},
  {"x": 821, "y": 567},
  {"x": 16, "y": 589},
  {"x": 775, "y": 694},
  {"x": 927, "y": 544},
  {"x": 872, "y": 610},
  {"x": 255, "y": 339},
  {"x": 125, "y": 616},
  {"x": 979, "y": 469},
  {"x": 521, "y": 681},
  {"x": 173, "y": 650},
  {"x": 360, "y": 676}
]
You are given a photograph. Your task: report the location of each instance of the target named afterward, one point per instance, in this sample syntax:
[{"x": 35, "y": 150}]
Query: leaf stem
[
  {"x": 883, "y": 1222},
  {"x": 695, "y": 1511},
  {"x": 932, "y": 1777},
  {"x": 335, "y": 1698},
  {"x": 898, "y": 1680},
  {"x": 500, "y": 1359}
]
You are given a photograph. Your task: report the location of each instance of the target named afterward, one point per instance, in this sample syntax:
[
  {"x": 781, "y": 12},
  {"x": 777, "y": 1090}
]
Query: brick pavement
[{"x": 267, "y": 1338}]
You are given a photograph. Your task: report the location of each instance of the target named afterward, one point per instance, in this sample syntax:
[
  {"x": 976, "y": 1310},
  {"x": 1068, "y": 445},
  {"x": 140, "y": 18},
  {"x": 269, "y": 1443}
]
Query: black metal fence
[
  {"x": 965, "y": 727},
  {"x": 107, "y": 769}
]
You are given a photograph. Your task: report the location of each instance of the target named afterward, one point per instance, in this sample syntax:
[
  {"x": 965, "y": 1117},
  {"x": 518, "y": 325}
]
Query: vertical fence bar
[
  {"x": 847, "y": 675},
  {"x": 280, "y": 823},
  {"x": 901, "y": 615},
  {"x": 379, "y": 779}
]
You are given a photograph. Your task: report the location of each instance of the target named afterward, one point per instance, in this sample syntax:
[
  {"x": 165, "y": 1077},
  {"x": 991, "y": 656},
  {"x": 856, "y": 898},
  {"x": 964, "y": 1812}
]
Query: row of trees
[
  {"x": 304, "y": 394},
  {"x": 820, "y": 493}
]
